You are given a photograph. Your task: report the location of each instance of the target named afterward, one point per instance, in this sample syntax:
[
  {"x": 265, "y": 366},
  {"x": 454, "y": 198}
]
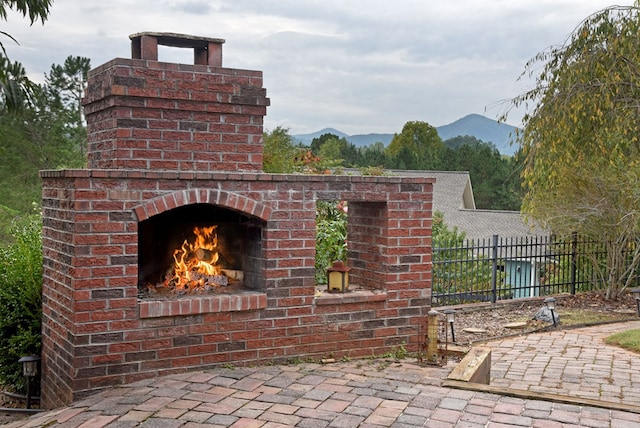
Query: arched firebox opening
[{"x": 199, "y": 248}]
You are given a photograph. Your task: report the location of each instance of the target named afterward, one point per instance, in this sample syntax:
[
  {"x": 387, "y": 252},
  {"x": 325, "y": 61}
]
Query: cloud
[{"x": 358, "y": 66}]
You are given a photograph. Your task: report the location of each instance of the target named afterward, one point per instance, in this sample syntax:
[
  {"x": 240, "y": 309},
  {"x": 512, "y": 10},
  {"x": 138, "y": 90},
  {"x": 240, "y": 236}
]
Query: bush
[
  {"x": 331, "y": 235},
  {"x": 6, "y": 216},
  {"x": 20, "y": 299}
]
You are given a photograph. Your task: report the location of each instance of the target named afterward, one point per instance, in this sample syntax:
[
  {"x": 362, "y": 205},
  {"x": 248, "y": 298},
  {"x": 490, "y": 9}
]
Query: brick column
[{"x": 144, "y": 114}]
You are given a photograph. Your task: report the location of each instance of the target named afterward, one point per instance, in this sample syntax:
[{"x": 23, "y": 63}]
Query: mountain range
[{"x": 475, "y": 125}]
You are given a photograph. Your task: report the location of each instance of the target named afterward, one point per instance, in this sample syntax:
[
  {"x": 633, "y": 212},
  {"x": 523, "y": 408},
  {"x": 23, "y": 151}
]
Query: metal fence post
[
  {"x": 574, "y": 261},
  {"x": 494, "y": 270}
]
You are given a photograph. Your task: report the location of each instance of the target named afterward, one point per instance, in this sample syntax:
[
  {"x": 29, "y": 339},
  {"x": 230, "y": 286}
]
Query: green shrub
[
  {"x": 6, "y": 217},
  {"x": 20, "y": 299},
  {"x": 331, "y": 236}
]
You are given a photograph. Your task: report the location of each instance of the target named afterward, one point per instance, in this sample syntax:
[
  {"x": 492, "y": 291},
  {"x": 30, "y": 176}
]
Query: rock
[
  {"x": 544, "y": 314},
  {"x": 474, "y": 330},
  {"x": 517, "y": 324}
]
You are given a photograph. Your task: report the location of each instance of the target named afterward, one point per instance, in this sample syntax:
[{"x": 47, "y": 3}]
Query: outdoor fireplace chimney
[{"x": 173, "y": 143}]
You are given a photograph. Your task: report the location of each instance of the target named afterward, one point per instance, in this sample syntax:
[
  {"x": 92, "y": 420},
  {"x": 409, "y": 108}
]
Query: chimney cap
[{"x": 178, "y": 40}]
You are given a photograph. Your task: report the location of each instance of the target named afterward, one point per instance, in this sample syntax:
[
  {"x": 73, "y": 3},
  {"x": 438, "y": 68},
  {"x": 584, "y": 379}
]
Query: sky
[{"x": 359, "y": 66}]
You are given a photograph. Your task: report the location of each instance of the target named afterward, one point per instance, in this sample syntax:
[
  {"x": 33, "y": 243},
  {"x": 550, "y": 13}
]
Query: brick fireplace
[{"x": 172, "y": 147}]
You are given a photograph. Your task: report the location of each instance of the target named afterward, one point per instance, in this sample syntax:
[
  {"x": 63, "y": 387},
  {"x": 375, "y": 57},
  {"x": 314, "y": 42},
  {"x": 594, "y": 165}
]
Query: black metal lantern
[
  {"x": 29, "y": 370},
  {"x": 338, "y": 277}
]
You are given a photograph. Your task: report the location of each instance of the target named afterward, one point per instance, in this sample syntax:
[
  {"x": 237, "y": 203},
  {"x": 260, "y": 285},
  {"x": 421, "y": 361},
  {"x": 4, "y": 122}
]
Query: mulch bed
[{"x": 482, "y": 322}]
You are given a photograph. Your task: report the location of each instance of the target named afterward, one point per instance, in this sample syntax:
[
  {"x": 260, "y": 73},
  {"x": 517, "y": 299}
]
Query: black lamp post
[
  {"x": 451, "y": 317},
  {"x": 29, "y": 370},
  {"x": 551, "y": 305}
]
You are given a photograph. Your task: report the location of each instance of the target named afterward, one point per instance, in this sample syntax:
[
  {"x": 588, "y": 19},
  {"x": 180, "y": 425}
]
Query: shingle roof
[{"x": 453, "y": 196}]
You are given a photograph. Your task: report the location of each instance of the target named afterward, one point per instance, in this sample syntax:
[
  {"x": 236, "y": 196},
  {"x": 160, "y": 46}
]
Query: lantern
[
  {"x": 29, "y": 370},
  {"x": 338, "y": 278}
]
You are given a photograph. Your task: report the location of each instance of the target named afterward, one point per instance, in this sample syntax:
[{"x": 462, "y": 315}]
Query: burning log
[
  {"x": 211, "y": 280},
  {"x": 236, "y": 275},
  {"x": 206, "y": 256},
  {"x": 198, "y": 265}
]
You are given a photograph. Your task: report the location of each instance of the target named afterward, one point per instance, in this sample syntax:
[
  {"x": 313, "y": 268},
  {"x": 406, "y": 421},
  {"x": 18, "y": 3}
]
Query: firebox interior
[{"x": 238, "y": 242}]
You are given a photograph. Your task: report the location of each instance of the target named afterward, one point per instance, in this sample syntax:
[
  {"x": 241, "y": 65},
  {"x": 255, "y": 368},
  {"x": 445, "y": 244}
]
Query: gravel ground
[
  {"x": 477, "y": 323},
  {"x": 7, "y": 416}
]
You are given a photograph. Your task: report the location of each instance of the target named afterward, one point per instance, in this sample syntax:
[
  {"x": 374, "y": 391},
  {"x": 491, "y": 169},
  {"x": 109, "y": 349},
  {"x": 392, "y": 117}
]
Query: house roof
[{"x": 453, "y": 197}]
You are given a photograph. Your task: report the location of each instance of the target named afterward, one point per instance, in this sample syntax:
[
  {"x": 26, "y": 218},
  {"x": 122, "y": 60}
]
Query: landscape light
[
  {"x": 29, "y": 370},
  {"x": 551, "y": 305},
  {"x": 451, "y": 317}
]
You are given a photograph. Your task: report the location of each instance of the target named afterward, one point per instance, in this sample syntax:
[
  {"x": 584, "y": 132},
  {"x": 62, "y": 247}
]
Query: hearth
[{"x": 199, "y": 248}]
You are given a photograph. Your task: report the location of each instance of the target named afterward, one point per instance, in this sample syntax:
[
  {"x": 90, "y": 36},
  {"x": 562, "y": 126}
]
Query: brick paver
[{"x": 573, "y": 363}]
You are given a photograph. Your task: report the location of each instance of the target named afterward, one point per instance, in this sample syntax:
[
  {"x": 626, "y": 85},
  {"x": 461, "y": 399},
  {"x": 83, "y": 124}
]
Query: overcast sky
[{"x": 354, "y": 65}]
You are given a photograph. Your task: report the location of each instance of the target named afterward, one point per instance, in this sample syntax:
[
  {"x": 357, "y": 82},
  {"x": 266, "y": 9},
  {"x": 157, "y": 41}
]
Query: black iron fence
[{"x": 511, "y": 268}]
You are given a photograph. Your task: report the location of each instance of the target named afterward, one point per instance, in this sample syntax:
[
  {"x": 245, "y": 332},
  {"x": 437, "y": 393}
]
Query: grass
[
  {"x": 629, "y": 340},
  {"x": 579, "y": 316},
  {"x": 572, "y": 317}
]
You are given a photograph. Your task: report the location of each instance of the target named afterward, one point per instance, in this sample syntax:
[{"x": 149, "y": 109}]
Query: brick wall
[{"x": 98, "y": 332}]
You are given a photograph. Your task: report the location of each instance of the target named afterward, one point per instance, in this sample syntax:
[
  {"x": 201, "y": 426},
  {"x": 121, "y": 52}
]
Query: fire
[{"x": 196, "y": 264}]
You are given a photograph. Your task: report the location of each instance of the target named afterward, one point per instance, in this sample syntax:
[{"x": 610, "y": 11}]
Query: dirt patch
[{"x": 477, "y": 323}]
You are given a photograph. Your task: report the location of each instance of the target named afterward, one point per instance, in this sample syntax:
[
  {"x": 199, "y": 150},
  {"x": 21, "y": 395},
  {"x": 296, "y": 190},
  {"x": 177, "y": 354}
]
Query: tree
[
  {"x": 373, "y": 155},
  {"x": 330, "y": 147},
  {"x": 457, "y": 281},
  {"x": 65, "y": 87},
  {"x": 47, "y": 133},
  {"x": 15, "y": 87},
  {"x": 318, "y": 142},
  {"x": 495, "y": 178},
  {"x": 418, "y": 146},
  {"x": 279, "y": 151},
  {"x": 35, "y": 9},
  {"x": 580, "y": 142}
]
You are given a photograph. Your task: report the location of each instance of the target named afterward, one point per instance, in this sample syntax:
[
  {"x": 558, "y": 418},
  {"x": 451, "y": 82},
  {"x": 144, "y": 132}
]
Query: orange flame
[{"x": 192, "y": 260}]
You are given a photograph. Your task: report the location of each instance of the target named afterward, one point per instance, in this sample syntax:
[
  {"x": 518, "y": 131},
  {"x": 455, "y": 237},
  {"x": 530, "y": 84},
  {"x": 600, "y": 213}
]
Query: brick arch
[{"x": 222, "y": 198}]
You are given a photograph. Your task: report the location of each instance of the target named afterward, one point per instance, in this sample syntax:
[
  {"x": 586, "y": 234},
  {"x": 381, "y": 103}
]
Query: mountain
[
  {"x": 358, "y": 140},
  {"x": 483, "y": 128},
  {"x": 475, "y": 125},
  {"x": 306, "y": 139}
]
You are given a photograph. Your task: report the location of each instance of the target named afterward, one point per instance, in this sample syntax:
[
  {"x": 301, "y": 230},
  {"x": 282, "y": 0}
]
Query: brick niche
[{"x": 181, "y": 141}]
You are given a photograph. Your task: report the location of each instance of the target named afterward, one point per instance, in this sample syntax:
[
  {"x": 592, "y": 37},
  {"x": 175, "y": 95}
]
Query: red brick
[
  {"x": 156, "y": 344},
  {"x": 116, "y": 348}
]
